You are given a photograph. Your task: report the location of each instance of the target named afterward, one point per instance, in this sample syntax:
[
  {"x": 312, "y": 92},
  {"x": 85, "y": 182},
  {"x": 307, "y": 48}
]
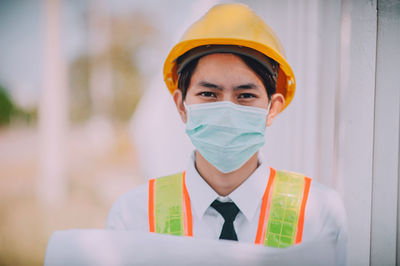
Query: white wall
[{"x": 355, "y": 122}]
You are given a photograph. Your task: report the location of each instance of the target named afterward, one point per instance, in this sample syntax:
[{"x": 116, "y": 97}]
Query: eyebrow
[
  {"x": 209, "y": 85},
  {"x": 246, "y": 86}
]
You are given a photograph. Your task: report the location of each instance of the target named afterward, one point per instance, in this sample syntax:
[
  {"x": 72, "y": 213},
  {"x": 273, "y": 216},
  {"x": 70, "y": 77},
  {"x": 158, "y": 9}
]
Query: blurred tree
[
  {"x": 7, "y": 107},
  {"x": 80, "y": 102},
  {"x": 129, "y": 32}
]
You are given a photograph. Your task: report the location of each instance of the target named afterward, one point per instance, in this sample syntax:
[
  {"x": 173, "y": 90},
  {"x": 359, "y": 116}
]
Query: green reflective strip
[
  {"x": 284, "y": 209},
  {"x": 168, "y": 205}
]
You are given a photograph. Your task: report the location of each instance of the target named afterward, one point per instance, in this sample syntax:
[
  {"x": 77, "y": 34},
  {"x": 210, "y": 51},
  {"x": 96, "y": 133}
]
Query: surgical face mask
[{"x": 226, "y": 134}]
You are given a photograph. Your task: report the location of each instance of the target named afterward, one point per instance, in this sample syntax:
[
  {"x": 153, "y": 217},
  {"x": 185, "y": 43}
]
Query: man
[{"x": 229, "y": 80}]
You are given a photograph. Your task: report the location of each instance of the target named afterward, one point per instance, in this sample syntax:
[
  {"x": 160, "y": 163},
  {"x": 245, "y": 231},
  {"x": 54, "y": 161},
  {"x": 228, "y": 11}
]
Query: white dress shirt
[{"x": 324, "y": 214}]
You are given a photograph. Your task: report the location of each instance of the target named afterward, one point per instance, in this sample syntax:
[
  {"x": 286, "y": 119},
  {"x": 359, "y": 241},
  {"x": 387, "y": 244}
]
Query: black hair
[
  {"x": 186, "y": 75},
  {"x": 261, "y": 71}
]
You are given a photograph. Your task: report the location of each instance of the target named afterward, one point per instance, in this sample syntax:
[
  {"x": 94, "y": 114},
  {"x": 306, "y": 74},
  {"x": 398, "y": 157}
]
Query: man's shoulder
[
  {"x": 329, "y": 204},
  {"x": 321, "y": 197},
  {"x": 316, "y": 188},
  {"x": 324, "y": 193},
  {"x": 141, "y": 191},
  {"x": 134, "y": 196},
  {"x": 129, "y": 210},
  {"x": 138, "y": 196}
]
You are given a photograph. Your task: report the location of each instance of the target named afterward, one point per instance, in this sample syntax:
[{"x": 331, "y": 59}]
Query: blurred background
[{"x": 85, "y": 115}]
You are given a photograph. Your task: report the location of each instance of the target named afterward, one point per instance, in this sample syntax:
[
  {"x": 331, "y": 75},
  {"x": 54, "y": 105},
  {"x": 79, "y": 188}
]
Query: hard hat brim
[{"x": 201, "y": 51}]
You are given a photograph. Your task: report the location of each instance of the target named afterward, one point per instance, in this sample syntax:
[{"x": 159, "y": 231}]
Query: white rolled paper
[{"x": 106, "y": 247}]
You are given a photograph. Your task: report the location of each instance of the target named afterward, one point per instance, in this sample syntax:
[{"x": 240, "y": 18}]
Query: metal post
[
  {"x": 53, "y": 111},
  {"x": 386, "y": 136}
]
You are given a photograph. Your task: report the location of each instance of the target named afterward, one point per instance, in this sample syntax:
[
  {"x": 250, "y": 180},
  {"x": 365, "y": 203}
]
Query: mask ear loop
[
  {"x": 186, "y": 110},
  {"x": 269, "y": 106}
]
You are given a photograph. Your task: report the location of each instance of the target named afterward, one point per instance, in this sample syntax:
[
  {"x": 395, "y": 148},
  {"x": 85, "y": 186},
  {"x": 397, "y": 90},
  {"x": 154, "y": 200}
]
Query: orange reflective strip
[
  {"x": 264, "y": 209},
  {"x": 187, "y": 210},
  {"x": 299, "y": 234},
  {"x": 151, "y": 206}
]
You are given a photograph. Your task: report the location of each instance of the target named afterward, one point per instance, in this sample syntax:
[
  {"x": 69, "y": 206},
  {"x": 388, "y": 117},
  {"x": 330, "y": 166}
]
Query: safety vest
[{"x": 281, "y": 217}]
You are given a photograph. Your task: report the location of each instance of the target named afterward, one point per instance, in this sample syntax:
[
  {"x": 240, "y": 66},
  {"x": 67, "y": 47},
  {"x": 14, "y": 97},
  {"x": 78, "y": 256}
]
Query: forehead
[
  {"x": 221, "y": 59},
  {"x": 224, "y": 67}
]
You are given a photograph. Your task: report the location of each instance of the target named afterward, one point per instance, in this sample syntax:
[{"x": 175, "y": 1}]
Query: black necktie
[{"x": 228, "y": 210}]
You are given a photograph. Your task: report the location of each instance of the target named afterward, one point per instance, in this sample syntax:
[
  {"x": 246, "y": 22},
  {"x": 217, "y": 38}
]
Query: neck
[{"x": 225, "y": 183}]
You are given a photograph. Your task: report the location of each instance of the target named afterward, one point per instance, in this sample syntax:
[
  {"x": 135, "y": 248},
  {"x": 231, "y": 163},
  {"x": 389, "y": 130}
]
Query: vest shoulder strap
[
  {"x": 282, "y": 210},
  {"x": 169, "y": 206}
]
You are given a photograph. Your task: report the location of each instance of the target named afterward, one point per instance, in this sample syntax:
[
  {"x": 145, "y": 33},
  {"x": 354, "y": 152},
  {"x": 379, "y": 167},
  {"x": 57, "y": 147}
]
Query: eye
[
  {"x": 247, "y": 96},
  {"x": 207, "y": 94}
]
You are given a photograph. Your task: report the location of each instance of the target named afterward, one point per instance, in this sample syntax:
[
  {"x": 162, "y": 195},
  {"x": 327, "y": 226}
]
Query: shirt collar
[
  {"x": 201, "y": 194},
  {"x": 247, "y": 196}
]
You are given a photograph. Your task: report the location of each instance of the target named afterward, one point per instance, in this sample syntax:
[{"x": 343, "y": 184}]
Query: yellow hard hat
[{"x": 232, "y": 24}]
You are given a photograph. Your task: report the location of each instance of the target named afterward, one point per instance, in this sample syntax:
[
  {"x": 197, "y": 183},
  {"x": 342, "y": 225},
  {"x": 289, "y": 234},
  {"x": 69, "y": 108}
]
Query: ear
[
  {"x": 178, "y": 99},
  {"x": 277, "y": 103}
]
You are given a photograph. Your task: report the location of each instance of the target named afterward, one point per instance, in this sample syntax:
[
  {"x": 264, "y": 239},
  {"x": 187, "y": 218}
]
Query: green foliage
[
  {"x": 10, "y": 113},
  {"x": 80, "y": 102},
  {"x": 7, "y": 107}
]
